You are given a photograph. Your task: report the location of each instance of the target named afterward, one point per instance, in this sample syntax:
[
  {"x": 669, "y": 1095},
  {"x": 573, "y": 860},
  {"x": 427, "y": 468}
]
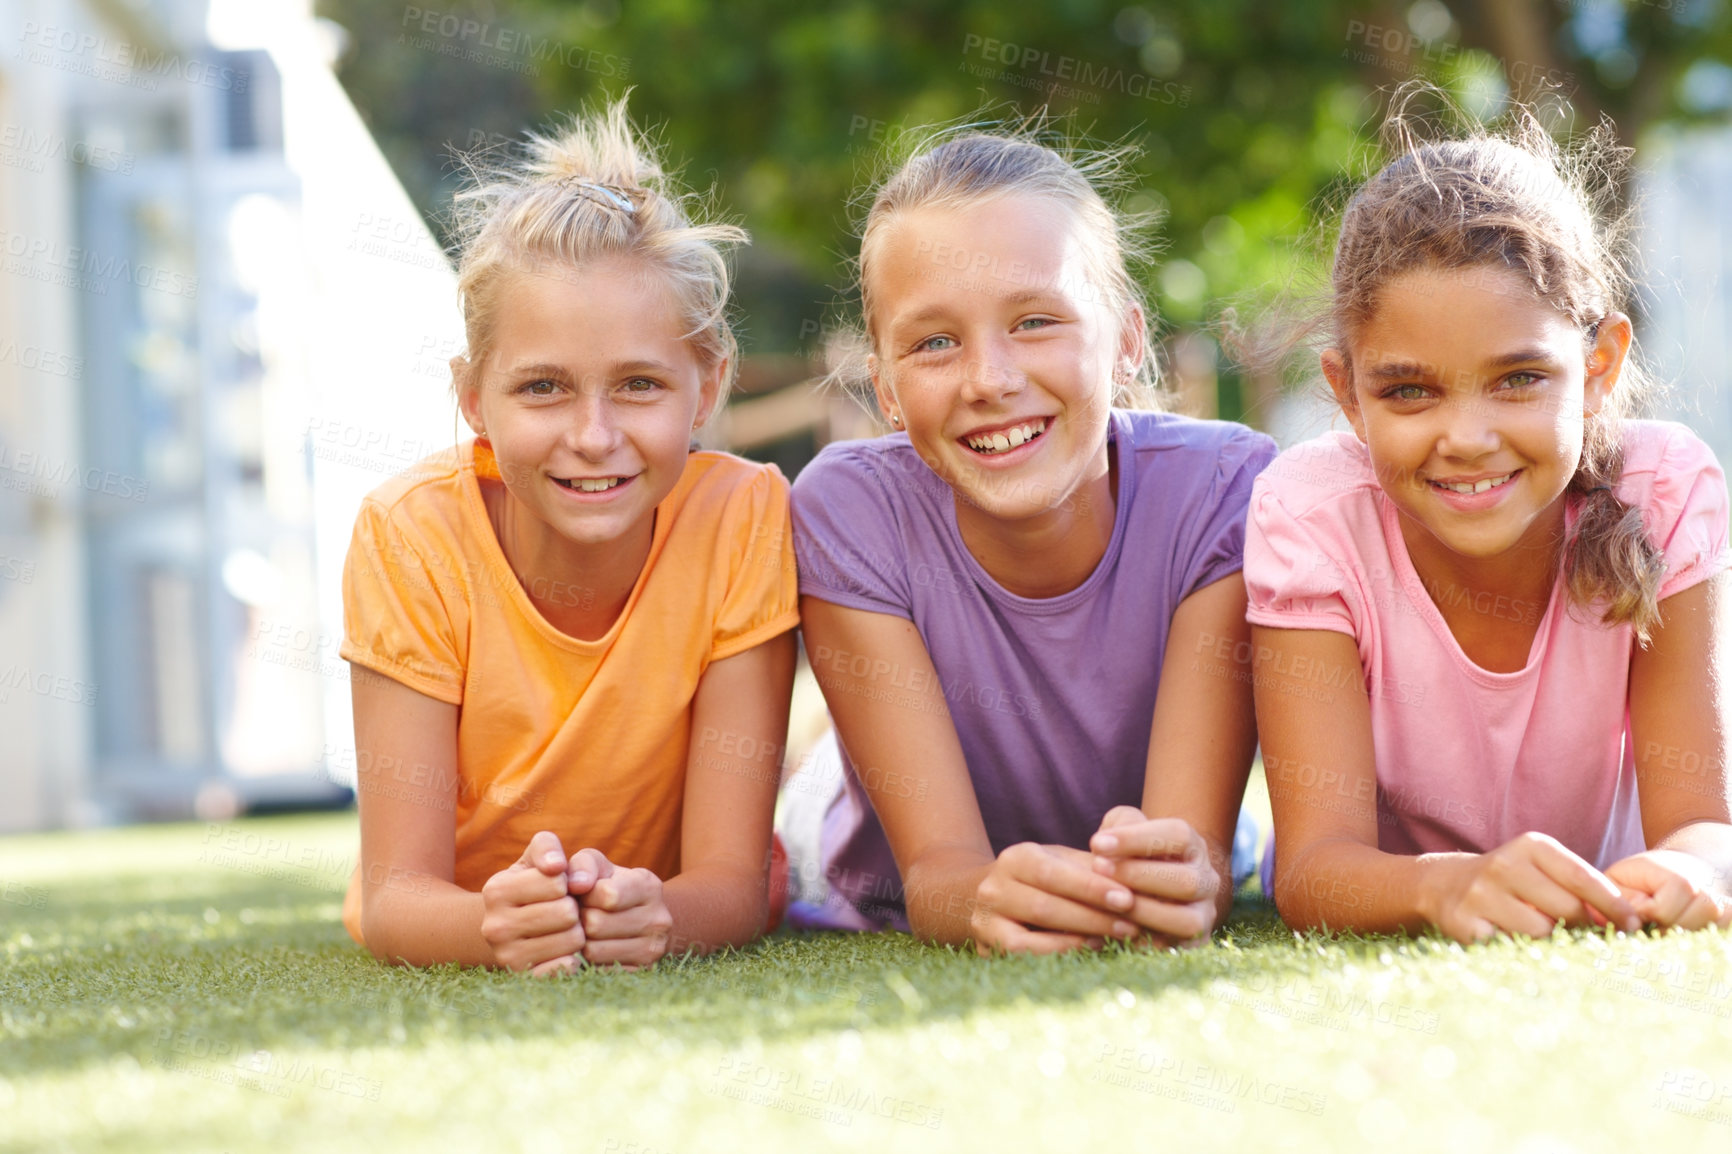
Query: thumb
[
  {"x": 544, "y": 853},
  {"x": 588, "y": 866}
]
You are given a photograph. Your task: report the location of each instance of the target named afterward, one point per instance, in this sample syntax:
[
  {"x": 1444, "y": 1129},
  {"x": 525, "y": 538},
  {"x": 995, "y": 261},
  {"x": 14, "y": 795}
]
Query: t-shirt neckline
[
  {"x": 1416, "y": 592},
  {"x": 475, "y": 452},
  {"x": 1116, "y": 428}
]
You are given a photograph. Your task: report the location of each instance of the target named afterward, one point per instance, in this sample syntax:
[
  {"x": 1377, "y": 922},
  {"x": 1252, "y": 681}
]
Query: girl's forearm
[
  {"x": 715, "y": 906},
  {"x": 1347, "y": 885},
  {"x": 1712, "y": 842},
  {"x": 420, "y": 920},
  {"x": 941, "y": 894}
]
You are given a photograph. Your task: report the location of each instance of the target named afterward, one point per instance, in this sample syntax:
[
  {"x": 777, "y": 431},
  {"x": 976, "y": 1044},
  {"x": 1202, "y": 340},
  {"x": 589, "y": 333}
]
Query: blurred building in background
[{"x": 221, "y": 322}]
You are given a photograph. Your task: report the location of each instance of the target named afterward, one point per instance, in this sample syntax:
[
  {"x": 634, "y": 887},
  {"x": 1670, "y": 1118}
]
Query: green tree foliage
[{"x": 1248, "y": 114}]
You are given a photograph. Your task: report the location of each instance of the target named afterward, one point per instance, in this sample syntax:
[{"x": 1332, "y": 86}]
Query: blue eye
[
  {"x": 931, "y": 344},
  {"x": 1042, "y": 322}
]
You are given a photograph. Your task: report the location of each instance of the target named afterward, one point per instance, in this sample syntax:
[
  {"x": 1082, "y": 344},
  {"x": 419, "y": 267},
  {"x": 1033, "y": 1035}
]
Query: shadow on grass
[{"x": 230, "y": 965}]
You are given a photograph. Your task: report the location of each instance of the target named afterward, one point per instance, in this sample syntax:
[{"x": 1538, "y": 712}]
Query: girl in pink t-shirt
[{"x": 1484, "y": 640}]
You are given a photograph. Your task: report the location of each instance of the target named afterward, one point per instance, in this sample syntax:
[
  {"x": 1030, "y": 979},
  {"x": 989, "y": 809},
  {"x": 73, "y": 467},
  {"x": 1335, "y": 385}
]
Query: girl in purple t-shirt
[
  {"x": 1024, "y": 608},
  {"x": 1485, "y": 620}
]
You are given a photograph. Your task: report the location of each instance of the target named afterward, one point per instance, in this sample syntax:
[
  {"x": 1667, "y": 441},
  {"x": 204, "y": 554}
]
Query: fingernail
[
  {"x": 550, "y": 858},
  {"x": 1106, "y": 842},
  {"x": 1119, "y": 899},
  {"x": 1104, "y": 864},
  {"x": 1124, "y": 930},
  {"x": 581, "y": 878}
]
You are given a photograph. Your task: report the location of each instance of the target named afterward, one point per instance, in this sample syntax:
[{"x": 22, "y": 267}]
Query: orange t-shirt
[{"x": 585, "y": 738}]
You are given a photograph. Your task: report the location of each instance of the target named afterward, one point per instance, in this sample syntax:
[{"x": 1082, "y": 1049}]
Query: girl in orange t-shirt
[{"x": 573, "y": 632}]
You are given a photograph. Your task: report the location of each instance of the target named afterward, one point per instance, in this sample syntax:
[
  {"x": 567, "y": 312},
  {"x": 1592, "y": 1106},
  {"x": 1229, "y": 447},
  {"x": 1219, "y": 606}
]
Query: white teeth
[
  {"x": 1479, "y": 486},
  {"x": 592, "y": 485},
  {"x": 1008, "y": 439}
]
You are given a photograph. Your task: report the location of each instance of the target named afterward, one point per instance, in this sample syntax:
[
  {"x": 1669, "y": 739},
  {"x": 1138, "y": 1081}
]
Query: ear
[
  {"x": 1340, "y": 379},
  {"x": 465, "y": 382},
  {"x": 709, "y": 389},
  {"x": 1611, "y": 348},
  {"x": 1133, "y": 341},
  {"x": 881, "y": 388}
]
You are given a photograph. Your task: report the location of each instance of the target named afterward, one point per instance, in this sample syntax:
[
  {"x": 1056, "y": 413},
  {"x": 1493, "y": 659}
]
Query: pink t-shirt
[{"x": 1468, "y": 759}]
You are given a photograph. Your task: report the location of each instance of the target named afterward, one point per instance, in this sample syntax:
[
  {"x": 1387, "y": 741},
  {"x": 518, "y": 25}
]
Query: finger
[
  {"x": 625, "y": 889},
  {"x": 1536, "y": 888},
  {"x": 1120, "y": 815},
  {"x": 1166, "y": 880},
  {"x": 1039, "y": 909},
  {"x": 588, "y": 866},
  {"x": 523, "y": 885},
  {"x": 632, "y": 952},
  {"x": 544, "y": 853},
  {"x": 1180, "y": 921},
  {"x": 1701, "y": 913},
  {"x": 538, "y": 919},
  {"x": 1511, "y": 915},
  {"x": 604, "y": 925},
  {"x": 1067, "y": 875},
  {"x": 527, "y": 953},
  {"x": 1003, "y": 936},
  {"x": 556, "y": 967},
  {"x": 1586, "y": 883},
  {"x": 1670, "y": 899},
  {"x": 1161, "y": 837}
]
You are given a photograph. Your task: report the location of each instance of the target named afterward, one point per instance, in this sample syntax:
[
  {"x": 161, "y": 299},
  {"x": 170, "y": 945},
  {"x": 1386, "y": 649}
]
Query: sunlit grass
[{"x": 190, "y": 988}]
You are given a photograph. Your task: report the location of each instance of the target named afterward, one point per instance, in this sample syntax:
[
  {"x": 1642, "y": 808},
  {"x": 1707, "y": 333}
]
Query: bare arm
[
  {"x": 1678, "y": 713},
  {"x": 892, "y": 719},
  {"x": 1317, "y": 750},
  {"x": 1203, "y": 738},
  {"x": 739, "y": 724},
  {"x": 406, "y": 769}
]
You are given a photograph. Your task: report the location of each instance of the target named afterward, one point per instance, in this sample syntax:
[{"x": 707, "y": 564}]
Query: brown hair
[
  {"x": 596, "y": 189},
  {"x": 1519, "y": 201},
  {"x": 953, "y": 167}
]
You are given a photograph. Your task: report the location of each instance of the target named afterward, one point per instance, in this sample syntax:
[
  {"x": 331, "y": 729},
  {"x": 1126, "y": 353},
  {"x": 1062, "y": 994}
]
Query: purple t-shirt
[{"x": 1052, "y": 697}]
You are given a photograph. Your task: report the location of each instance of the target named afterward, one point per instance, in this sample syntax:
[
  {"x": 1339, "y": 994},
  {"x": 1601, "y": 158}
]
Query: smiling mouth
[
  {"x": 1483, "y": 485},
  {"x": 589, "y": 484},
  {"x": 1004, "y": 440}
]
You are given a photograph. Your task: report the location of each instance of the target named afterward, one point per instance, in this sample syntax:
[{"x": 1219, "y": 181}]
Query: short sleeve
[
  {"x": 1221, "y": 541},
  {"x": 1292, "y": 581},
  {"x": 396, "y": 619},
  {"x": 846, "y": 536},
  {"x": 1687, "y": 512},
  {"x": 762, "y": 597}
]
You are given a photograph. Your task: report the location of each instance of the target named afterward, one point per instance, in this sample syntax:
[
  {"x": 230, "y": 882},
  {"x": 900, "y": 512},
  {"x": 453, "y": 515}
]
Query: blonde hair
[
  {"x": 956, "y": 167},
  {"x": 596, "y": 189},
  {"x": 1522, "y": 202}
]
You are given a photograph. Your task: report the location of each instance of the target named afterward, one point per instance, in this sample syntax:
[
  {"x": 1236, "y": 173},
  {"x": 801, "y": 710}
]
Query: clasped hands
[
  {"x": 550, "y": 914},
  {"x": 1141, "y": 879}
]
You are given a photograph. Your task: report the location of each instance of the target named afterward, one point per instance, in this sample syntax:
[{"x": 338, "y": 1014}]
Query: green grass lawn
[{"x": 189, "y": 988}]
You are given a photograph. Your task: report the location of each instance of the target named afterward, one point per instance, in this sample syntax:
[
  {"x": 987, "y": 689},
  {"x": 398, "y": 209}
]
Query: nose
[
  {"x": 594, "y": 430},
  {"x": 991, "y": 373},
  {"x": 1469, "y": 428}
]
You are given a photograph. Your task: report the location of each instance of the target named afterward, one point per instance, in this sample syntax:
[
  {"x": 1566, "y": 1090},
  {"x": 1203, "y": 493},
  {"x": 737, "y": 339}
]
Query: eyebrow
[
  {"x": 937, "y": 311},
  {"x": 548, "y": 369},
  {"x": 1398, "y": 370}
]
